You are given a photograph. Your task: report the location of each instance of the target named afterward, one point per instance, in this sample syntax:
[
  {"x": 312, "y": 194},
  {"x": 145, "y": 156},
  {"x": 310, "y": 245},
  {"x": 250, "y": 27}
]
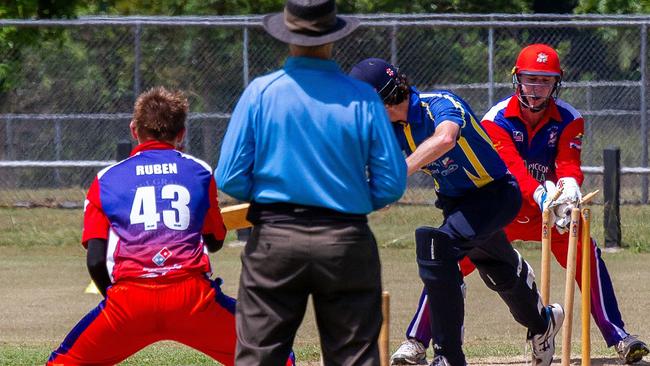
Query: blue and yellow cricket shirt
[{"x": 469, "y": 165}]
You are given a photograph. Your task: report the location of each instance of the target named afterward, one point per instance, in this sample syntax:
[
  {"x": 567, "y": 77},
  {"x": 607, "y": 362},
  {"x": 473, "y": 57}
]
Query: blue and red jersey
[
  {"x": 152, "y": 209},
  {"x": 549, "y": 151},
  {"x": 471, "y": 164}
]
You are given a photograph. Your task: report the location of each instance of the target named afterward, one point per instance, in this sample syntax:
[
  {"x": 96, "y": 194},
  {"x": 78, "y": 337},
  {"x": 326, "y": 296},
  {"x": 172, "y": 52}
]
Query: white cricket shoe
[
  {"x": 410, "y": 352},
  {"x": 631, "y": 349},
  {"x": 440, "y": 361},
  {"x": 543, "y": 345}
]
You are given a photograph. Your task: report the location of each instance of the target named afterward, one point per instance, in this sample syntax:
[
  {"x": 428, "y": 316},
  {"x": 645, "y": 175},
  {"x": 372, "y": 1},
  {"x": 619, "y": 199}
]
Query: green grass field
[{"x": 43, "y": 275}]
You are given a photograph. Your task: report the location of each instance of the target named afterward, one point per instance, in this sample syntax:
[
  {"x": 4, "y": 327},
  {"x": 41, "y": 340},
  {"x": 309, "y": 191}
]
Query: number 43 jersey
[{"x": 152, "y": 208}]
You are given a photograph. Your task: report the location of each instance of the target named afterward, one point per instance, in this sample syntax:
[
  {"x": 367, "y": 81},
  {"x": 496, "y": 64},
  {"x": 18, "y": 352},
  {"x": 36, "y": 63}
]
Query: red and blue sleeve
[
  {"x": 567, "y": 162},
  {"x": 510, "y": 155},
  {"x": 96, "y": 224},
  {"x": 213, "y": 223}
]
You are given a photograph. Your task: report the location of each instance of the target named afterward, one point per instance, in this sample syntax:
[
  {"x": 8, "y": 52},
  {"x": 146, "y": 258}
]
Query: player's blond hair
[{"x": 160, "y": 114}]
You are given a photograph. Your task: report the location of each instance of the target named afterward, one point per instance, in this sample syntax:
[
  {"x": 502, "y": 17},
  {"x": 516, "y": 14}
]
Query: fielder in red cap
[{"x": 539, "y": 137}]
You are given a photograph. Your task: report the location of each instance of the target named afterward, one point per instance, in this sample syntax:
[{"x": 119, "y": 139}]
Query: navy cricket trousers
[{"x": 473, "y": 226}]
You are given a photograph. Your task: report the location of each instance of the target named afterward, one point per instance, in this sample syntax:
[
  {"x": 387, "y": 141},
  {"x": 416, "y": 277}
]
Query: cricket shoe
[
  {"x": 440, "y": 361},
  {"x": 631, "y": 349},
  {"x": 543, "y": 345},
  {"x": 410, "y": 352}
]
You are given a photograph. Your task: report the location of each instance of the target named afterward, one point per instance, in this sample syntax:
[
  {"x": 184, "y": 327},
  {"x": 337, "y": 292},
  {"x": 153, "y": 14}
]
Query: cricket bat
[{"x": 234, "y": 217}]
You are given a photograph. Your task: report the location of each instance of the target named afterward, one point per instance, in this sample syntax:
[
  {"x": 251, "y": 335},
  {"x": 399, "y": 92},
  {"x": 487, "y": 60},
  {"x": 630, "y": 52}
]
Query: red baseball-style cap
[{"x": 538, "y": 59}]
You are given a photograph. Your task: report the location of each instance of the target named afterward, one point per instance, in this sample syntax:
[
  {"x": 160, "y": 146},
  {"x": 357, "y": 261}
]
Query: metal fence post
[
  {"x": 644, "y": 110},
  {"x": 393, "y": 43},
  {"x": 491, "y": 67},
  {"x": 611, "y": 191},
  {"x": 123, "y": 150},
  {"x": 589, "y": 97},
  {"x": 245, "y": 57},
  {"x": 57, "y": 150},
  {"x": 9, "y": 150},
  {"x": 137, "y": 78}
]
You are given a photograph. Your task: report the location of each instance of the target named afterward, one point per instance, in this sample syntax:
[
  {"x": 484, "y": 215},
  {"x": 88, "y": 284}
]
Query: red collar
[
  {"x": 152, "y": 145},
  {"x": 514, "y": 110}
]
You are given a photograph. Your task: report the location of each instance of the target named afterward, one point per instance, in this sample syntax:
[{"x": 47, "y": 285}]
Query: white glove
[
  {"x": 562, "y": 223},
  {"x": 570, "y": 193},
  {"x": 568, "y": 200},
  {"x": 544, "y": 194}
]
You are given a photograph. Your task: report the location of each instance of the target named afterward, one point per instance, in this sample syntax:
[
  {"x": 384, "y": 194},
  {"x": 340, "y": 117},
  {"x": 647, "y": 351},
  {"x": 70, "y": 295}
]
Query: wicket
[
  {"x": 384, "y": 333},
  {"x": 546, "y": 256},
  {"x": 578, "y": 217},
  {"x": 569, "y": 286},
  {"x": 586, "y": 286},
  {"x": 546, "y": 249}
]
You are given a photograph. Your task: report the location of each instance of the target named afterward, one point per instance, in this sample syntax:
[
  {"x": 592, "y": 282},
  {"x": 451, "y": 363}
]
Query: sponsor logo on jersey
[
  {"x": 518, "y": 136},
  {"x": 537, "y": 171},
  {"x": 160, "y": 257},
  {"x": 446, "y": 161},
  {"x": 448, "y": 166}
]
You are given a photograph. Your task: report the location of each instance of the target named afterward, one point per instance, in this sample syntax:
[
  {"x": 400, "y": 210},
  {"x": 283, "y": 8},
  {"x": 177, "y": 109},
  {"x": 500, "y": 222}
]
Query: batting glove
[{"x": 544, "y": 194}]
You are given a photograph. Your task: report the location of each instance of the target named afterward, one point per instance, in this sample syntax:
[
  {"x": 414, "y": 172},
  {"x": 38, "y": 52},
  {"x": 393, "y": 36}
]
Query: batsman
[
  {"x": 539, "y": 137},
  {"x": 478, "y": 197}
]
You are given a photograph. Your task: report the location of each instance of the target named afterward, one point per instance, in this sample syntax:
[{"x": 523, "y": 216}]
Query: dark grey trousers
[{"x": 282, "y": 264}]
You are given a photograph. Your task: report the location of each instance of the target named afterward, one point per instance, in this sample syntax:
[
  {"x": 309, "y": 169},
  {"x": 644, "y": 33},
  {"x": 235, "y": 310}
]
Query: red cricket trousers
[{"x": 192, "y": 311}]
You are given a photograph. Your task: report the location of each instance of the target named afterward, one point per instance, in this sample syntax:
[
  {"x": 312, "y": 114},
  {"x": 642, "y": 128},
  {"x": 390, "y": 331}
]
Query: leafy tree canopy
[{"x": 46, "y": 9}]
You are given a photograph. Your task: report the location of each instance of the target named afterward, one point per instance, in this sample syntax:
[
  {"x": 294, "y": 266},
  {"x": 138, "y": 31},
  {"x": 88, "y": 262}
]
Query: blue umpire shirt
[
  {"x": 309, "y": 134},
  {"x": 469, "y": 165}
]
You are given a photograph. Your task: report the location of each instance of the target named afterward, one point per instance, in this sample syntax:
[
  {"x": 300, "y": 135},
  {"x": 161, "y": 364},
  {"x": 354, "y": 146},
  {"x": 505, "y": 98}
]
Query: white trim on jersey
[
  {"x": 103, "y": 171},
  {"x": 568, "y": 107},
  {"x": 203, "y": 163},
  {"x": 492, "y": 113},
  {"x": 113, "y": 239}
]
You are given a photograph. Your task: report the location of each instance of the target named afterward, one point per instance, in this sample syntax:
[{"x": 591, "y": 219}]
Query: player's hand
[
  {"x": 571, "y": 195},
  {"x": 562, "y": 222},
  {"x": 544, "y": 194}
]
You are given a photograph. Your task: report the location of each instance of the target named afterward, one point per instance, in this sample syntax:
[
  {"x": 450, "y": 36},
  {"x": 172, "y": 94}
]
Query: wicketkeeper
[{"x": 540, "y": 139}]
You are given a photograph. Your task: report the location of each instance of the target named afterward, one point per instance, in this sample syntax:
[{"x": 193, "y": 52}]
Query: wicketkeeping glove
[
  {"x": 562, "y": 222},
  {"x": 544, "y": 194},
  {"x": 570, "y": 193},
  {"x": 569, "y": 199}
]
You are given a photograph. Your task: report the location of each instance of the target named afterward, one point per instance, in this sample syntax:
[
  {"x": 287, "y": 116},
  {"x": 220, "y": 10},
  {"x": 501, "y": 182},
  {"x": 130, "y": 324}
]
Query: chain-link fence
[{"x": 67, "y": 87}]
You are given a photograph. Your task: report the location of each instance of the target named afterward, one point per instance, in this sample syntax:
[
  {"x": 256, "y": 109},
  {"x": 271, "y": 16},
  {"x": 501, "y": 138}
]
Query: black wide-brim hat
[{"x": 309, "y": 23}]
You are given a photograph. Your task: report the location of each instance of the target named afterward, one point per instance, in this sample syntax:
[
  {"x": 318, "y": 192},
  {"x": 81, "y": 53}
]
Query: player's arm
[
  {"x": 507, "y": 150},
  {"x": 214, "y": 230},
  {"x": 443, "y": 140},
  {"x": 96, "y": 263},
  {"x": 567, "y": 168},
  {"x": 94, "y": 239},
  {"x": 567, "y": 162}
]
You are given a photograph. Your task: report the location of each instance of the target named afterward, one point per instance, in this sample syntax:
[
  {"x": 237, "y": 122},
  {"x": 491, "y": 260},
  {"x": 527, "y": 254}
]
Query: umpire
[{"x": 314, "y": 152}]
